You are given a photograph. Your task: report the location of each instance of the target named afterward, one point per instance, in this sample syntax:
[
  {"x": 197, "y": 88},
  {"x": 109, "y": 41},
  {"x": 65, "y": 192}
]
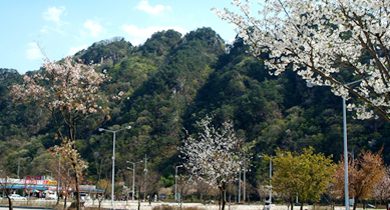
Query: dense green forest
[{"x": 170, "y": 82}]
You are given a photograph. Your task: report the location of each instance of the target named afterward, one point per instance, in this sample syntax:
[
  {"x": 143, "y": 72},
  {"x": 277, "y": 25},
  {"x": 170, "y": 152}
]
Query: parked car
[
  {"x": 208, "y": 202},
  {"x": 51, "y": 195},
  {"x": 16, "y": 197},
  {"x": 268, "y": 205},
  {"x": 84, "y": 196}
]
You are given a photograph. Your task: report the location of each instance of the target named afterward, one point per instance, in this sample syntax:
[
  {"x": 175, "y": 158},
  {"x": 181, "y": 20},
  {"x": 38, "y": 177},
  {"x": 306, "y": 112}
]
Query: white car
[
  {"x": 51, "y": 195},
  {"x": 85, "y": 196},
  {"x": 16, "y": 197}
]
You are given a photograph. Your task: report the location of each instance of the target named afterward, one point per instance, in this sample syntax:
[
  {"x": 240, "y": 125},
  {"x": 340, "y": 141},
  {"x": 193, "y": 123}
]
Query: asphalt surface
[{"x": 23, "y": 208}]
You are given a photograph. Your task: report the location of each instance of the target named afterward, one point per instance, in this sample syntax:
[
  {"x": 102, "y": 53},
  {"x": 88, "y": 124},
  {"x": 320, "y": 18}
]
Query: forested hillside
[{"x": 170, "y": 82}]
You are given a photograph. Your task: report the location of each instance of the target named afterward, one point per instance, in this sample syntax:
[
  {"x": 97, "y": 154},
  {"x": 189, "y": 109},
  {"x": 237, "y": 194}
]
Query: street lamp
[
  {"x": 146, "y": 171},
  {"x": 244, "y": 190},
  {"x": 113, "y": 160},
  {"x": 270, "y": 176},
  {"x": 176, "y": 197},
  {"x": 346, "y": 194},
  {"x": 133, "y": 169},
  {"x": 239, "y": 186},
  {"x": 239, "y": 183}
]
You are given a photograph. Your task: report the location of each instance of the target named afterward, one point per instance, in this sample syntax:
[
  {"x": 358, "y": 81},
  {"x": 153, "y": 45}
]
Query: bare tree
[
  {"x": 331, "y": 194},
  {"x": 7, "y": 184},
  {"x": 103, "y": 184},
  {"x": 262, "y": 190},
  {"x": 184, "y": 187},
  {"x": 203, "y": 189}
]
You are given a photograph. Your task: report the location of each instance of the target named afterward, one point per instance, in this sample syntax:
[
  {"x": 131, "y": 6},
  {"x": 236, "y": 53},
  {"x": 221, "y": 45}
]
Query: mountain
[{"x": 170, "y": 82}]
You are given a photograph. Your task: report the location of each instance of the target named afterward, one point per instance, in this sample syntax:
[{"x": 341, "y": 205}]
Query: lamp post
[
  {"x": 244, "y": 183},
  {"x": 176, "y": 197},
  {"x": 270, "y": 176},
  {"x": 133, "y": 169},
  {"x": 113, "y": 160},
  {"x": 146, "y": 171},
  {"x": 346, "y": 194},
  {"x": 239, "y": 186}
]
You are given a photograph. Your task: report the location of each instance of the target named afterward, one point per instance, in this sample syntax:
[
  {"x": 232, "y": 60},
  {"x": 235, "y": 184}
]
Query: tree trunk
[
  {"x": 10, "y": 203},
  {"x": 292, "y": 204},
  {"x": 301, "y": 205},
  {"x": 220, "y": 201},
  {"x": 100, "y": 203},
  {"x": 66, "y": 197},
  {"x": 223, "y": 194},
  {"x": 77, "y": 191},
  {"x": 354, "y": 203},
  {"x": 58, "y": 193}
]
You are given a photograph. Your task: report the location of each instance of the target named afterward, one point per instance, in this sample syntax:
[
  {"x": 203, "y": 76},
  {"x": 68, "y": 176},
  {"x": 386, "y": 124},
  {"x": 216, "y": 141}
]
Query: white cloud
[
  {"x": 95, "y": 28},
  {"x": 53, "y": 14},
  {"x": 33, "y": 53},
  {"x": 230, "y": 41},
  {"x": 45, "y": 29},
  {"x": 136, "y": 42},
  {"x": 143, "y": 34},
  {"x": 74, "y": 50},
  {"x": 156, "y": 10}
]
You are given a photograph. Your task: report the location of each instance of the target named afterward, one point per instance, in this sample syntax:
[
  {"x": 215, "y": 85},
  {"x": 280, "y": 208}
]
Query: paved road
[{"x": 21, "y": 208}]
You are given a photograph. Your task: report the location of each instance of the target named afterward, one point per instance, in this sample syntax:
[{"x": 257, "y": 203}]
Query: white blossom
[
  {"x": 67, "y": 86},
  {"x": 319, "y": 38},
  {"x": 214, "y": 156}
]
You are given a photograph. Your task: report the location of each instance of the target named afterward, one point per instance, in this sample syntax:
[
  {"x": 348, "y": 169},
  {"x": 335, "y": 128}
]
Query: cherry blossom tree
[
  {"x": 382, "y": 189},
  {"x": 68, "y": 89},
  {"x": 325, "y": 42},
  {"x": 215, "y": 156}
]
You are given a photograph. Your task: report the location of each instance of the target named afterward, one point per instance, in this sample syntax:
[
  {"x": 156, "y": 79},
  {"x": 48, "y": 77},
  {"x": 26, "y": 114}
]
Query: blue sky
[{"x": 64, "y": 27}]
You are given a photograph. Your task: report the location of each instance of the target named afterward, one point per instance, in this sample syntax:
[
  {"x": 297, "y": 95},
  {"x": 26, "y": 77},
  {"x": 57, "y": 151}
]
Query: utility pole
[
  {"x": 133, "y": 169},
  {"x": 145, "y": 170},
  {"x": 59, "y": 179},
  {"x": 18, "y": 167},
  {"x": 176, "y": 171}
]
